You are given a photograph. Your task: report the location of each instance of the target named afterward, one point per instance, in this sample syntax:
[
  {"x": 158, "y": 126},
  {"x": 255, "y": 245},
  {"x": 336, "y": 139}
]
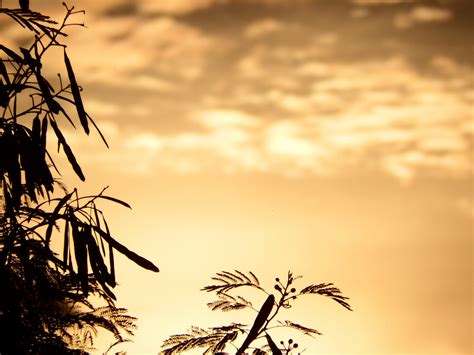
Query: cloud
[
  {"x": 139, "y": 51},
  {"x": 422, "y": 14},
  {"x": 448, "y": 66},
  {"x": 396, "y": 120},
  {"x": 225, "y": 145},
  {"x": 174, "y": 6},
  {"x": 109, "y": 128},
  {"x": 147, "y": 142},
  {"x": 263, "y": 27},
  {"x": 121, "y": 9},
  {"x": 107, "y": 110},
  {"x": 405, "y": 166},
  {"x": 292, "y": 153},
  {"x": 381, "y": 2},
  {"x": 139, "y": 110},
  {"x": 430, "y": 14},
  {"x": 149, "y": 82},
  {"x": 251, "y": 65},
  {"x": 272, "y": 94},
  {"x": 401, "y": 142},
  {"x": 100, "y": 108},
  {"x": 216, "y": 119},
  {"x": 288, "y": 101}
]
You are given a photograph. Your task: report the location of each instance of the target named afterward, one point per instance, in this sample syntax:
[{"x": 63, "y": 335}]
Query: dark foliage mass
[
  {"x": 257, "y": 339},
  {"x": 44, "y": 303}
]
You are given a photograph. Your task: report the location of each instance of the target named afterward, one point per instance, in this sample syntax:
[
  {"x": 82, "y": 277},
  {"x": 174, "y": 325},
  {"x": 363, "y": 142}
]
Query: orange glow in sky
[{"x": 330, "y": 138}]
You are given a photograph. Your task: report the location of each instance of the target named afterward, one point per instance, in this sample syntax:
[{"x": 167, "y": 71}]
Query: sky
[{"x": 330, "y": 138}]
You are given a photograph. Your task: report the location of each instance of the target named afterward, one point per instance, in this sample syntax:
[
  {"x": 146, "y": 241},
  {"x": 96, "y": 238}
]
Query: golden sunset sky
[{"x": 332, "y": 138}]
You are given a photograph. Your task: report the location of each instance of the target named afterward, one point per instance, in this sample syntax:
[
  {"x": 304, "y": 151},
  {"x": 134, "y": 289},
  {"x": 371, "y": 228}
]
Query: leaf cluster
[
  {"x": 42, "y": 311},
  {"x": 227, "y": 303},
  {"x": 231, "y": 280},
  {"x": 328, "y": 290},
  {"x": 35, "y": 22},
  {"x": 265, "y": 320},
  {"x": 214, "y": 339},
  {"x": 26, "y": 167}
]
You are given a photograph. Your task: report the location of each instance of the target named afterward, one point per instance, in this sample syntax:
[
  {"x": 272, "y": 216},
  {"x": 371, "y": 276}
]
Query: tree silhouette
[
  {"x": 44, "y": 302},
  {"x": 216, "y": 339}
]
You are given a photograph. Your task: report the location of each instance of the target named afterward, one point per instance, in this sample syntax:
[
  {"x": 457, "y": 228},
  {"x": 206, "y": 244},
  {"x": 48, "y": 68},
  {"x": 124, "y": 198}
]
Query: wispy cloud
[
  {"x": 263, "y": 27},
  {"x": 139, "y": 51},
  {"x": 420, "y": 15},
  {"x": 403, "y": 134},
  {"x": 174, "y": 6},
  {"x": 382, "y": 2},
  {"x": 381, "y": 115},
  {"x": 269, "y": 93}
]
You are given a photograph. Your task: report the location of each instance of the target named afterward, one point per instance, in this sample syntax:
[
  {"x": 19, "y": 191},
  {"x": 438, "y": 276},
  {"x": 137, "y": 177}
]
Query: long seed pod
[
  {"x": 55, "y": 216},
  {"x": 262, "y": 316},
  {"x": 139, "y": 260},
  {"x": 80, "y": 253},
  {"x": 67, "y": 150},
  {"x": 76, "y": 94},
  {"x": 4, "y": 72},
  {"x": 273, "y": 347}
]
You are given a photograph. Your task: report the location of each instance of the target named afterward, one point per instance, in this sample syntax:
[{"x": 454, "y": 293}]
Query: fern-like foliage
[
  {"x": 113, "y": 319},
  {"x": 35, "y": 22},
  {"x": 214, "y": 339},
  {"x": 305, "y": 330},
  {"x": 328, "y": 290},
  {"x": 232, "y": 280},
  {"x": 84, "y": 329},
  {"x": 81, "y": 337},
  {"x": 227, "y": 303}
]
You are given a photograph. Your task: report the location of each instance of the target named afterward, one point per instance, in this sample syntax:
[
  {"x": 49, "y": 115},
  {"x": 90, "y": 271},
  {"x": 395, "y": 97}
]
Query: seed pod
[{"x": 258, "y": 323}]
